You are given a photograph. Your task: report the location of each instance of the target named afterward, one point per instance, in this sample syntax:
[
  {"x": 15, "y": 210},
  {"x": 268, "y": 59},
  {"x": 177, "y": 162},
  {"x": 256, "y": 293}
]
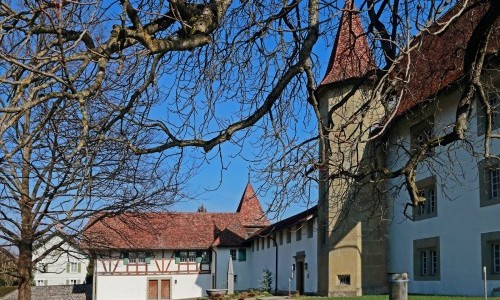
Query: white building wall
[
  {"x": 125, "y": 287},
  {"x": 240, "y": 268},
  {"x": 57, "y": 271},
  {"x": 460, "y": 219},
  {"x": 117, "y": 280},
  {"x": 265, "y": 259}
]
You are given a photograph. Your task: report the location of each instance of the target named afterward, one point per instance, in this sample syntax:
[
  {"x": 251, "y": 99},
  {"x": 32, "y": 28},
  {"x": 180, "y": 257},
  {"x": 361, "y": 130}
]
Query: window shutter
[
  {"x": 67, "y": 267},
  {"x": 242, "y": 254},
  {"x": 79, "y": 267},
  {"x": 125, "y": 261}
]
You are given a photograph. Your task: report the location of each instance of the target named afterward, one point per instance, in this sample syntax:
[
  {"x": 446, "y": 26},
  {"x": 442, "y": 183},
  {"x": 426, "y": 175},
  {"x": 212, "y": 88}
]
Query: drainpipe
[
  {"x": 276, "y": 265},
  {"x": 214, "y": 284}
]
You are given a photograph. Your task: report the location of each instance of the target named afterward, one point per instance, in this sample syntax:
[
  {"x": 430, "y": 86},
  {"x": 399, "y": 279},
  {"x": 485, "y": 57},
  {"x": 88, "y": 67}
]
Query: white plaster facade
[
  {"x": 293, "y": 255},
  {"x": 65, "y": 266},
  {"x": 460, "y": 219},
  {"x": 118, "y": 278}
]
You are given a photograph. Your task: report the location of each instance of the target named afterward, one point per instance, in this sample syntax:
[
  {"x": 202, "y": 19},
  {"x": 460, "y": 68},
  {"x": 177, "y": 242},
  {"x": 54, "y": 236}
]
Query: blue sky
[{"x": 221, "y": 190}]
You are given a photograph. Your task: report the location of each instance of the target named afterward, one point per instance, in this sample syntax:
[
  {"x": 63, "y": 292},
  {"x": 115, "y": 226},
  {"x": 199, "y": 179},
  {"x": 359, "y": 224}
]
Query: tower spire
[{"x": 351, "y": 56}]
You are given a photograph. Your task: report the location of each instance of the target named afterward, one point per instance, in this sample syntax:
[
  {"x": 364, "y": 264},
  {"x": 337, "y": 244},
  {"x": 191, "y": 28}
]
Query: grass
[
  {"x": 410, "y": 297},
  {"x": 4, "y": 290}
]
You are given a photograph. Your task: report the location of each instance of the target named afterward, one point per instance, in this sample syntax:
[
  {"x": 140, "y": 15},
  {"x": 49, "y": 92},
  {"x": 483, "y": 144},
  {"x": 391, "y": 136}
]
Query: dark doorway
[{"x": 300, "y": 277}]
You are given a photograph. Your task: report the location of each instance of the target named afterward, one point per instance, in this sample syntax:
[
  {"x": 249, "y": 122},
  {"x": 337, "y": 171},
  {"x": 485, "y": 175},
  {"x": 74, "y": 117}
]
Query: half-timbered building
[{"x": 166, "y": 255}]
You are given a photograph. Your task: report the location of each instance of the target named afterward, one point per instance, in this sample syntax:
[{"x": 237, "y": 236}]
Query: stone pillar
[{"x": 398, "y": 286}]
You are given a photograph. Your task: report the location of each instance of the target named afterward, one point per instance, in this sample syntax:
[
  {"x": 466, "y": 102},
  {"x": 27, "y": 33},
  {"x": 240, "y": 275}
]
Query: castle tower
[{"x": 352, "y": 255}]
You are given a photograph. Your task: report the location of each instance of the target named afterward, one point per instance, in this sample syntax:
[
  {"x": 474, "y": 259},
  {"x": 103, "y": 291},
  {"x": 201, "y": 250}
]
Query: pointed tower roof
[
  {"x": 351, "y": 57},
  {"x": 251, "y": 213}
]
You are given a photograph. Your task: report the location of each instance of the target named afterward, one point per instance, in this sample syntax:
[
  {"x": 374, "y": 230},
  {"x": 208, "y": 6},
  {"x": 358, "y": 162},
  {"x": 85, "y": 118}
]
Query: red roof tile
[
  {"x": 251, "y": 213},
  {"x": 351, "y": 57},
  {"x": 166, "y": 231},
  {"x": 438, "y": 61}
]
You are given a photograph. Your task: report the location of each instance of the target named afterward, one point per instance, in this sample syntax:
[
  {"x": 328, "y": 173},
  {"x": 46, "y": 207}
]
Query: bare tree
[{"x": 98, "y": 97}]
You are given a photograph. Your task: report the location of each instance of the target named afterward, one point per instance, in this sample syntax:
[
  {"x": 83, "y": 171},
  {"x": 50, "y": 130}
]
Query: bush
[{"x": 267, "y": 280}]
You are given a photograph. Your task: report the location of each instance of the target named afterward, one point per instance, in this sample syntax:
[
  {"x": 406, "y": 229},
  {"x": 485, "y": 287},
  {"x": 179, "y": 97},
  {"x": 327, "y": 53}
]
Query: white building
[
  {"x": 288, "y": 249},
  {"x": 66, "y": 265},
  {"x": 443, "y": 243},
  {"x": 181, "y": 255}
]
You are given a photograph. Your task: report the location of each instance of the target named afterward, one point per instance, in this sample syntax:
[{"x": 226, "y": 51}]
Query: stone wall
[{"x": 57, "y": 292}]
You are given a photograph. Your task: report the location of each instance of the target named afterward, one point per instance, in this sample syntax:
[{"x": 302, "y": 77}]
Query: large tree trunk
[
  {"x": 24, "y": 271},
  {"x": 24, "y": 263}
]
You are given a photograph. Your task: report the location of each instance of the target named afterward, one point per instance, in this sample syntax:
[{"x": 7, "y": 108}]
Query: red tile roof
[
  {"x": 251, "y": 213},
  {"x": 166, "y": 231},
  {"x": 351, "y": 57},
  {"x": 438, "y": 61}
]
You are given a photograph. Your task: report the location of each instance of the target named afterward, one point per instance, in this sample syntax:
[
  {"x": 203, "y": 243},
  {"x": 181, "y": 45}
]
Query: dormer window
[
  {"x": 494, "y": 101},
  {"x": 421, "y": 133}
]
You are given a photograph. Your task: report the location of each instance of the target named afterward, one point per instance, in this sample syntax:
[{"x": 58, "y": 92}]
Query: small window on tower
[{"x": 344, "y": 279}]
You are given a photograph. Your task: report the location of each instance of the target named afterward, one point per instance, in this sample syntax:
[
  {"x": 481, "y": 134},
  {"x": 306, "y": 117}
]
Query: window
[
  {"x": 489, "y": 181},
  {"x": 186, "y": 257},
  {"x": 288, "y": 236},
  {"x": 262, "y": 243},
  {"x": 41, "y": 282},
  {"x": 73, "y": 267},
  {"x": 344, "y": 279},
  {"x": 268, "y": 242},
  {"x": 205, "y": 257},
  {"x": 281, "y": 237},
  {"x": 428, "y": 207},
  {"x": 235, "y": 278},
  {"x": 232, "y": 253},
  {"x": 494, "y": 99},
  {"x": 494, "y": 182},
  {"x": 242, "y": 254},
  {"x": 421, "y": 133},
  {"x": 310, "y": 228},
  {"x": 257, "y": 244},
  {"x": 298, "y": 232},
  {"x": 490, "y": 254},
  {"x": 192, "y": 256},
  {"x": 426, "y": 259},
  {"x": 137, "y": 257},
  {"x": 183, "y": 256}
]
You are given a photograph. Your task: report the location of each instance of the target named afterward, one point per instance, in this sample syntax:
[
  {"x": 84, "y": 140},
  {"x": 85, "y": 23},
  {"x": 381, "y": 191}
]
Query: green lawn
[
  {"x": 410, "y": 297},
  {"x": 4, "y": 290}
]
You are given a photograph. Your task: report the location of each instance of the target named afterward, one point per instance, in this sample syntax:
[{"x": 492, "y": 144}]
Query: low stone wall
[{"x": 57, "y": 292}]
